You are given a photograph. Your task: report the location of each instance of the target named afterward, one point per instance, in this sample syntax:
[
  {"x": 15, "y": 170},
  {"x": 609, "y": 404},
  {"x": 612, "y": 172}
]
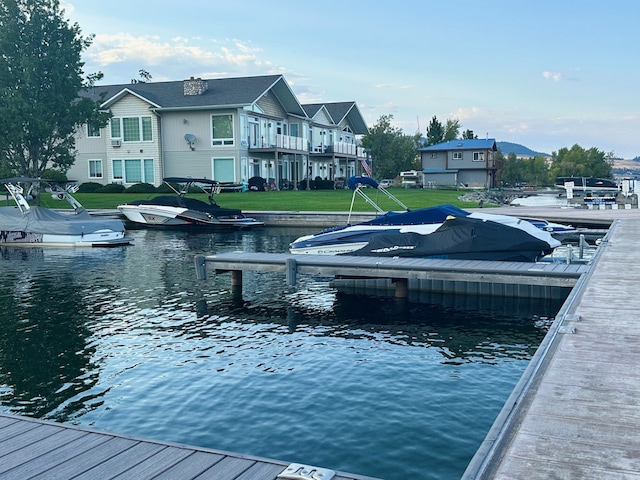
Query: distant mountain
[{"x": 520, "y": 150}]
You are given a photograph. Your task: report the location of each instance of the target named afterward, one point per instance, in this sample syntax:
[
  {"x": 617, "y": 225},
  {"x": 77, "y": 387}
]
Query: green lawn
[{"x": 305, "y": 201}]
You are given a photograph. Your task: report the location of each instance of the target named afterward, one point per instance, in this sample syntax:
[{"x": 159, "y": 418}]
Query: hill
[{"x": 520, "y": 150}]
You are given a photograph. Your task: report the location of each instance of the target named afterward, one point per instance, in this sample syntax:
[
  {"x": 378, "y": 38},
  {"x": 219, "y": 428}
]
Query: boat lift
[{"x": 356, "y": 183}]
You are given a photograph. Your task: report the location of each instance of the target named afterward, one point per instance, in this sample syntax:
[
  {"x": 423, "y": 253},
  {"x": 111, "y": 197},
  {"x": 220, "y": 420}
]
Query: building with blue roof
[{"x": 469, "y": 163}]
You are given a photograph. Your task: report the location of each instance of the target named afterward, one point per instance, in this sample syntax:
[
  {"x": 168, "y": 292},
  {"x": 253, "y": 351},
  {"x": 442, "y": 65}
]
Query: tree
[
  {"x": 391, "y": 151},
  {"x": 435, "y": 132},
  {"x": 578, "y": 162},
  {"x": 530, "y": 171},
  {"x": 451, "y": 130},
  {"x": 41, "y": 80},
  {"x": 468, "y": 135},
  {"x": 145, "y": 77}
]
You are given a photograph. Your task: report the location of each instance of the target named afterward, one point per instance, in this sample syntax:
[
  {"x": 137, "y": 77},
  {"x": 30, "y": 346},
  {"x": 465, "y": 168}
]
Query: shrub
[
  {"x": 141, "y": 188},
  {"x": 164, "y": 188},
  {"x": 89, "y": 187},
  {"x": 53, "y": 174},
  {"x": 111, "y": 188}
]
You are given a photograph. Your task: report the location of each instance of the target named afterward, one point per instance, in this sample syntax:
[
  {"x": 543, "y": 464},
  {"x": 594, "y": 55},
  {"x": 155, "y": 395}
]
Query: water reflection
[
  {"x": 127, "y": 340},
  {"x": 462, "y": 329}
]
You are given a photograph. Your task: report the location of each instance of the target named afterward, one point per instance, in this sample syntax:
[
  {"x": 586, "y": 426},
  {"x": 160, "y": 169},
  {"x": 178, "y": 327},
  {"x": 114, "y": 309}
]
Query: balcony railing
[
  {"x": 282, "y": 141},
  {"x": 340, "y": 148}
]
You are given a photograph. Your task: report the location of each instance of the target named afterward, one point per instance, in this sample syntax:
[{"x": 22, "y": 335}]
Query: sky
[{"x": 547, "y": 74}]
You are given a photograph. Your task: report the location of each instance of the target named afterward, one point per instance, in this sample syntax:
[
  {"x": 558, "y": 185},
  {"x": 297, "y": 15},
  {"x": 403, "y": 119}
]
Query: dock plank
[
  {"x": 117, "y": 465},
  {"x": 192, "y": 466},
  {"x": 42, "y": 465}
]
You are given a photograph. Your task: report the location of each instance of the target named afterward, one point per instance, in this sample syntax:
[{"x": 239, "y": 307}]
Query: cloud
[
  {"x": 107, "y": 50},
  {"x": 393, "y": 86},
  {"x": 555, "y": 76}
]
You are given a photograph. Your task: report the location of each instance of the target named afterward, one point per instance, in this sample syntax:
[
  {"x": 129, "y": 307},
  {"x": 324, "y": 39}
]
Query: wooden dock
[
  {"x": 511, "y": 279},
  {"x": 37, "y": 449},
  {"x": 576, "y": 411}
]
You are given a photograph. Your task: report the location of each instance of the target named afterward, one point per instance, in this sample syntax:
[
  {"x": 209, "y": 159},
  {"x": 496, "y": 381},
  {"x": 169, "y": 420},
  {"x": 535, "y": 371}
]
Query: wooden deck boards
[
  {"x": 580, "y": 415},
  {"x": 36, "y": 449}
]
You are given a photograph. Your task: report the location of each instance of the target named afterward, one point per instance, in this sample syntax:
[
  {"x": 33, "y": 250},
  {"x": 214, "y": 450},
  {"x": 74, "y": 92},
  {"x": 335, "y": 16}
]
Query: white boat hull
[
  {"x": 96, "y": 239},
  {"x": 167, "y": 216}
]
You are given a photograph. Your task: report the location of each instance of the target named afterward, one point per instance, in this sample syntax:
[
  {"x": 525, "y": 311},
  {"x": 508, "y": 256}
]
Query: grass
[{"x": 290, "y": 200}]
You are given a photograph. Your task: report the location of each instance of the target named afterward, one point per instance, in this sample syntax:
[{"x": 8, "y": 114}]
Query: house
[
  {"x": 469, "y": 163},
  {"x": 228, "y": 129}
]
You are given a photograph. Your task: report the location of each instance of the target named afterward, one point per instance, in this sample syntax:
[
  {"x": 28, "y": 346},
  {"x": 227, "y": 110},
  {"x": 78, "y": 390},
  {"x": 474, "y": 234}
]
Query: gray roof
[
  {"x": 339, "y": 111},
  {"x": 472, "y": 144},
  {"x": 221, "y": 92}
]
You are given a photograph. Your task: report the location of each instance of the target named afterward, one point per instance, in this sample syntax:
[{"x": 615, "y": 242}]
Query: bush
[
  {"x": 141, "y": 188},
  {"x": 111, "y": 188},
  {"x": 164, "y": 188},
  {"x": 53, "y": 174},
  {"x": 89, "y": 187}
]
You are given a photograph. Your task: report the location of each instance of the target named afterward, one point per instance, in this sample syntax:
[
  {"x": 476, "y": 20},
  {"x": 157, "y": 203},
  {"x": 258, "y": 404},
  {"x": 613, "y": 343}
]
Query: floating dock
[
  {"x": 38, "y": 449},
  {"x": 472, "y": 277}
]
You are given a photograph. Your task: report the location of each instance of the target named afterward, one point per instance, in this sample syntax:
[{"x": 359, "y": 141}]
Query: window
[
  {"x": 95, "y": 168},
  {"x": 222, "y": 130},
  {"x": 93, "y": 131},
  {"x": 224, "y": 169},
  {"x": 478, "y": 156},
  {"x": 133, "y": 170},
  {"x": 457, "y": 155},
  {"x": 132, "y": 129},
  {"x": 294, "y": 130}
]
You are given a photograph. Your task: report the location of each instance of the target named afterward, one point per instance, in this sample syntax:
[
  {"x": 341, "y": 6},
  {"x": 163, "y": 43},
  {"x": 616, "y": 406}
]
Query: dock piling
[{"x": 201, "y": 267}]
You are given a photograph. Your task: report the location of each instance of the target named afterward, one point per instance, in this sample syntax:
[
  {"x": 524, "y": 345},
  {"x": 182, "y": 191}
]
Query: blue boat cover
[
  {"x": 427, "y": 215},
  {"x": 352, "y": 182}
]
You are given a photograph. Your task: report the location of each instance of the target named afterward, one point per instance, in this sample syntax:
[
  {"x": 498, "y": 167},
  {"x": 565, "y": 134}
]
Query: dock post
[
  {"x": 201, "y": 267},
  {"x": 291, "y": 271},
  {"x": 402, "y": 287},
  {"x": 236, "y": 278}
]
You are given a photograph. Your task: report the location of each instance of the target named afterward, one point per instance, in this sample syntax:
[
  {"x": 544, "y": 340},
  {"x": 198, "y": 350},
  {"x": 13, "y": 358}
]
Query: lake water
[{"x": 126, "y": 340}]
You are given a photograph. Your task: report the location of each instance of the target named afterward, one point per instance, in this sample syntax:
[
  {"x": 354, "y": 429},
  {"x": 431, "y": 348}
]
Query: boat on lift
[
  {"x": 24, "y": 224},
  {"x": 182, "y": 211},
  {"x": 347, "y": 239}
]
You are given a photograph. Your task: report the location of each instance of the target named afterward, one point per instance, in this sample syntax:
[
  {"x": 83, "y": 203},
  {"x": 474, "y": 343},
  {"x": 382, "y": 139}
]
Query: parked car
[{"x": 385, "y": 183}]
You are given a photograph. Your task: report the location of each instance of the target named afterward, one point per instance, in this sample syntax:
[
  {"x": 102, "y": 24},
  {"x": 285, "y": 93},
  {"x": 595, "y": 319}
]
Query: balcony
[
  {"x": 339, "y": 148},
  {"x": 284, "y": 142}
]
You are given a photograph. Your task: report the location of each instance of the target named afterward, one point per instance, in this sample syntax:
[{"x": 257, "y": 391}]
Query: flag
[{"x": 366, "y": 165}]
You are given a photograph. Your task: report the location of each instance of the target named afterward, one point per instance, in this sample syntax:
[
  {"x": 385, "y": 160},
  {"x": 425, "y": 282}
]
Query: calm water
[{"x": 128, "y": 341}]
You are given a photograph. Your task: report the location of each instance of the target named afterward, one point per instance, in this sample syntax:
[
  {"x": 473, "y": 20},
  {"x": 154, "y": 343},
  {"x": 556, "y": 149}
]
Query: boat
[
  {"x": 465, "y": 238},
  {"x": 587, "y": 184},
  {"x": 348, "y": 238},
  {"x": 28, "y": 224},
  {"x": 182, "y": 211}
]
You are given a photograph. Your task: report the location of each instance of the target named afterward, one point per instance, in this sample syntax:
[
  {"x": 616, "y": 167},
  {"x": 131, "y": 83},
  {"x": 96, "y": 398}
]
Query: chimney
[{"x": 195, "y": 86}]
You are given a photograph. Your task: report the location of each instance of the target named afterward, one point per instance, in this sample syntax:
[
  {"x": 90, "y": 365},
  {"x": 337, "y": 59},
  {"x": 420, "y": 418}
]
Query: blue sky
[{"x": 546, "y": 74}]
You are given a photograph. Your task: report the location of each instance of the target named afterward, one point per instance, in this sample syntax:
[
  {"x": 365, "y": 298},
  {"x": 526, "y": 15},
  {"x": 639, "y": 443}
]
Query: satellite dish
[{"x": 191, "y": 139}]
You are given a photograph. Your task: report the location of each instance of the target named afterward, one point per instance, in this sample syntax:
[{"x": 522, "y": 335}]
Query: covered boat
[
  {"x": 587, "y": 184},
  {"x": 467, "y": 238},
  {"x": 181, "y": 211},
  {"x": 349, "y": 238},
  {"x": 23, "y": 224}
]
